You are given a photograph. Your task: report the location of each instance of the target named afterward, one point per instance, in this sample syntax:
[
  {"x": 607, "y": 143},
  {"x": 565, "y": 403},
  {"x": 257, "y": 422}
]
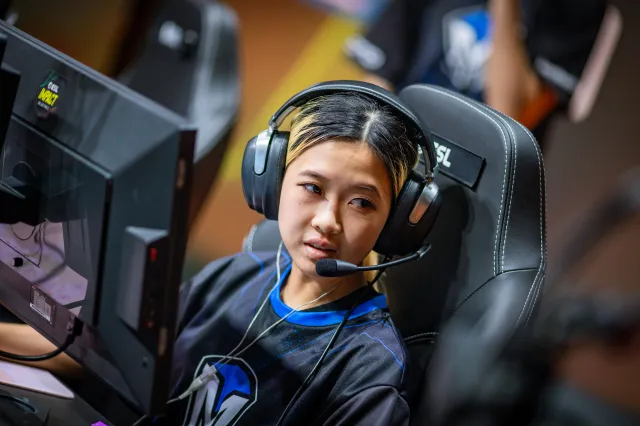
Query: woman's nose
[{"x": 327, "y": 219}]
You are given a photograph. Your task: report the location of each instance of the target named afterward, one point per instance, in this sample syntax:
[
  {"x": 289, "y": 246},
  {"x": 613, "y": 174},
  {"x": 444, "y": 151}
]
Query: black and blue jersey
[
  {"x": 360, "y": 381},
  {"x": 448, "y": 42}
]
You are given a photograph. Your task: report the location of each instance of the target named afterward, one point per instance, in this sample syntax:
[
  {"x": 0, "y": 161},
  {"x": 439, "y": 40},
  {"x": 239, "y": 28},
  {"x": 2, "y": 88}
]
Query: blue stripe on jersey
[
  {"x": 257, "y": 259},
  {"x": 385, "y": 346},
  {"x": 287, "y": 263},
  {"x": 320, "y": 319}
]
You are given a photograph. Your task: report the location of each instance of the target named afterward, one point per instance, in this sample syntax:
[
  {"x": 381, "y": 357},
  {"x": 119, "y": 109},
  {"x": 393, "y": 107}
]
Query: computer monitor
[{"x": 95, "y": 183}]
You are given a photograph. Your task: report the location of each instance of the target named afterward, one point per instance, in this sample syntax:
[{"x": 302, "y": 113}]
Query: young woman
[{"x": 254, "y": 326}]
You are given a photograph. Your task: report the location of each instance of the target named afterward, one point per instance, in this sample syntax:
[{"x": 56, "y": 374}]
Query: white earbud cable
[{"x": 209, "y": 375}]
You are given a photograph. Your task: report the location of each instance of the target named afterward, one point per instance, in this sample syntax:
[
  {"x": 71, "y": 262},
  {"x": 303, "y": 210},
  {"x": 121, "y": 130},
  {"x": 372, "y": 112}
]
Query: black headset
[{"x": 417, "y": 204}]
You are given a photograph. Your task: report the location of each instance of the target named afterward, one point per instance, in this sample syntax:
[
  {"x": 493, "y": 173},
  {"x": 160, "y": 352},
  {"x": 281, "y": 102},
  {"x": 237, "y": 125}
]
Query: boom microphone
[{"x": 340, "y": 268}]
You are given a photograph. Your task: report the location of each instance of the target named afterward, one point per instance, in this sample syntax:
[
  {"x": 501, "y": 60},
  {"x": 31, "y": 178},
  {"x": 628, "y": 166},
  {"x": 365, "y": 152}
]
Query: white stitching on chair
[
  {"x": 537, "y": 286},
  {"x": 543, "y": 253},
  {"x": 536, "y": 283},
  {"x": 513, "y": 179},
  {"x": 431, "y": 335},
  {"x": 542, "y": 185},
  {"x": 504, "y": 179},
  {"x": 543, "y": 235}
]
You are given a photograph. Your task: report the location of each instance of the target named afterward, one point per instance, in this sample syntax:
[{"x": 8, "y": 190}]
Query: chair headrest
[
  {"x": 492, "y": 221},
  {"x": 491, "y": 227}
]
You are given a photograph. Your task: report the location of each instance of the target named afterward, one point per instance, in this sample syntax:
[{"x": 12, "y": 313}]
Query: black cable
[
  {"x": 316, "y": 367},
  {"x": 36, "y": 231},
  {"x": 58, "y": 269},
  {"x": 42, "y": 241},
  {"x": 33, "y": 231},
  {"x": 74, "y": 328},
  {"x": 39, "y": 238}
]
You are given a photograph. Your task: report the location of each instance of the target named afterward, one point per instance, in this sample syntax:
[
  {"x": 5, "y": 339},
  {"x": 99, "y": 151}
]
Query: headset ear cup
[
  {"x": 249, "y": 185},
  {"x": 274, "y": 174},
  {"x": 262, "y": 191},
  {"x": 399, "y": 236}
]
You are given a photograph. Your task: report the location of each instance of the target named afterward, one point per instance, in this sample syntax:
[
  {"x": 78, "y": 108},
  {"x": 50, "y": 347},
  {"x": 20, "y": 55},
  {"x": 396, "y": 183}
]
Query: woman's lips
[{"x": 317, "y": 252}]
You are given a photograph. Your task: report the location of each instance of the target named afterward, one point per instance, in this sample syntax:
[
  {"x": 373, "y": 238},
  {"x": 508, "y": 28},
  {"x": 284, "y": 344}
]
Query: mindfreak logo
[{"x": 223, "y": 400}]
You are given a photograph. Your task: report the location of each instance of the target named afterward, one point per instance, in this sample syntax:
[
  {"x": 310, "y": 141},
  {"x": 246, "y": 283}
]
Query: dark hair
[{"x": 354, "y": 117}]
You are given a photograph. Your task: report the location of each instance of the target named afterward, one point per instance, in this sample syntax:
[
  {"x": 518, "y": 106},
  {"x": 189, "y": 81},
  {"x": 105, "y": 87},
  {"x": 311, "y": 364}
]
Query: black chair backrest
[{"x": 490, "y": 232}]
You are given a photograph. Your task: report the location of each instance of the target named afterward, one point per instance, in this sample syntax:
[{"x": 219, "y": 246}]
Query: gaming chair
[
  {"x": 190, "y": 64},
  {"x": 490, "y": 231}
]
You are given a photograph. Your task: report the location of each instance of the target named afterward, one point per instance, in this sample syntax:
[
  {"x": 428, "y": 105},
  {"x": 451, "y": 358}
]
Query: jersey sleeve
[
  {"x": 560, "y": 40},
  {"x": 387, "y": 47},
  {"x": 379, "y": 405},
  {"x": 202, "y": 290}
]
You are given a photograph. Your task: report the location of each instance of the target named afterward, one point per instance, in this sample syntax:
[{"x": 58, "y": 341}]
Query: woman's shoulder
[
  {"x": 243, "y": 263},
  {"x": 382, "y": 351},
  {"x": 386, "y": 331},
  {"x": 221, "y": 278},
  {"x": 372, "y": 358}
]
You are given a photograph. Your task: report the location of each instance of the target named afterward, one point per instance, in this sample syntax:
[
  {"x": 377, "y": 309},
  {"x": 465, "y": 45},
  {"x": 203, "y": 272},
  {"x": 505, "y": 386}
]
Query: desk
[
  {"x": 67, "y": 412},
  {"x": 75, "y": 412}
]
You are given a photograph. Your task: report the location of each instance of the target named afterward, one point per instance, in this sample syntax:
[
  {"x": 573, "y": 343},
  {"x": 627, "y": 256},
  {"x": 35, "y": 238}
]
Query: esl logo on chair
[
  {"x": 442, "y": 154},
  {"x": 225, "y": 398}
]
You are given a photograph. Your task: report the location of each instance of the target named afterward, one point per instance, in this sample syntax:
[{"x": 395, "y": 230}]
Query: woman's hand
[{"x": 511, "y": 84}]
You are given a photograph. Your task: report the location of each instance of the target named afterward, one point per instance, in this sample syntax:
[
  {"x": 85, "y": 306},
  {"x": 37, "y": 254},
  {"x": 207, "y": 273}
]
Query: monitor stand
[{"x": 20, "y": 411}]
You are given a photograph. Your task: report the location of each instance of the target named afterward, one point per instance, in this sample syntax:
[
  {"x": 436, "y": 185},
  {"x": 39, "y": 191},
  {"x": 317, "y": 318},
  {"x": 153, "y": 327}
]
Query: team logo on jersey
[
  {"x": 225, "y": 398},
  {"x": 467, "y": 46}
]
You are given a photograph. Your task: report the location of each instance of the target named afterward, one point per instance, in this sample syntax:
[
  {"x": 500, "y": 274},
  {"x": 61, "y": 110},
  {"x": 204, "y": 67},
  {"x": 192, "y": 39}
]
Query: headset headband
[{"x": 419, "y": 132}]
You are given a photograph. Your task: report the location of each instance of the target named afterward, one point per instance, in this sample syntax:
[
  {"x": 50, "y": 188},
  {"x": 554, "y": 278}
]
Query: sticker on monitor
[{"x": 49, "y": 93}]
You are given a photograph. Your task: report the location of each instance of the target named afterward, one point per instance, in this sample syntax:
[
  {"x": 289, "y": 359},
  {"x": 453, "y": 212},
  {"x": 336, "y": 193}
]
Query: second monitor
[{"x": 95, "y": 186}]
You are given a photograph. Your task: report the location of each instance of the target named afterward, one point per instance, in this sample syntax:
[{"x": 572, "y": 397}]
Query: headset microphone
[{"x": 340, "y": 268}]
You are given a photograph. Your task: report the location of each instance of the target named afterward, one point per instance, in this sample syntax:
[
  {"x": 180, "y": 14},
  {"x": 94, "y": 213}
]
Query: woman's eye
[
  {"x": 363, "y": 203},
  {"x": 315, "y": 189}
]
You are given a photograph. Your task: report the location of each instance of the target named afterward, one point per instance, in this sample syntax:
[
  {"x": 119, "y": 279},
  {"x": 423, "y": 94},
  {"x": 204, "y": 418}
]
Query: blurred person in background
[
  {"x": 521, "y": 57},
  {"x": 600, "y": 377},
  {"x": 577, "y": 363},
  {"x": 595, "y": 366},
  {"x": 598, "y": 383}
]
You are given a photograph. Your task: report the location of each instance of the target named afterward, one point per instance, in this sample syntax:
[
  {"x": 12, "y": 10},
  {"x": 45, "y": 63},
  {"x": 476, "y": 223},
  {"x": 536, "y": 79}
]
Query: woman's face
[{"x": 335, "y": 200}]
